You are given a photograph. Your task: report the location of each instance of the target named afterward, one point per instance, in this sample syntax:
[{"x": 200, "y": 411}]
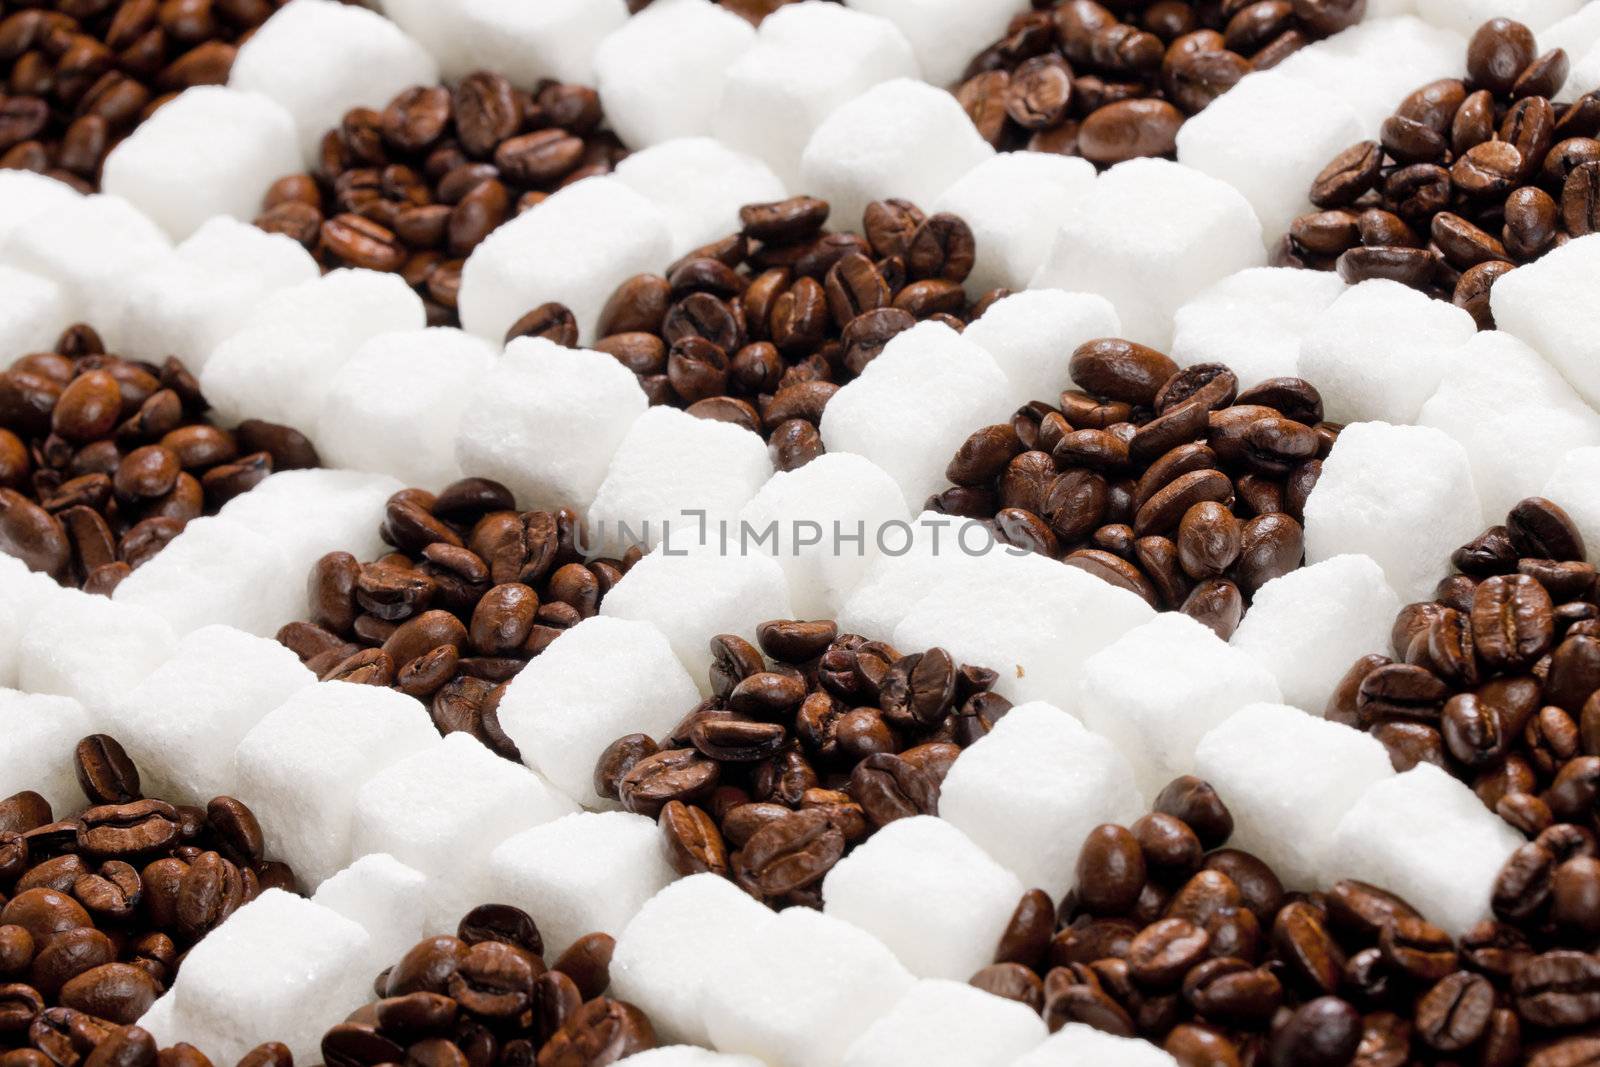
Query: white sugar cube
[
  {"x": 217, "y": 572},
  {"x": 1465, "y": 16},
  {"x": 228, "y": 145},
  {"x": 808, "y": 59},
  {"x": 948, "y": 1024},
  {"x": 299, "y": 768},
  {"x": 1014, "y": 203},
  {"x": 1269, "y": 136},
  {"x": 1309, "y": 625},
  {"x": 945, "y": 33},
  {"x": 34, "y": 310},
  {"x": 926, "y": 891},
  {"x": 1253, "y": 321},
  {"x": 36, "y": 747},
  {"x": 601, "y": 679},
  {"x": 1427, "y": 837},
  {"x": 182, "y": 723},
  {"x": 699, "y": 185},
  {"x": 806, "y": 986},
  {"x": 1030, "y": 791},
  {"x": 901, "y": 575},
  {"x": 1403, "y": 495},
  {"x": 438, "y": 27},
  {"x": 25, "y": 591},
  {"x": 397, "y": 405},
  {"x": 1161, "y": 686},
  {"x": 900, "y": 138},
  {"x": 381, "y": 894},
  {"x": 694, "y": 596},
  {"x": 1578, "y": 35},
  {"x": 547, "y": 420},
  {"x": 1546, "y": 304},
  {"x": 25, "y": 195},
  {"x": 1572, "y": 485},
  {"x": 279, "y": 364},
  {"x": 678, "y": 938},
  {"x": 308, "y": 513},
  {"x": 160, "y": 1021},
  {"x": 1031, "y": 336},
  {"x": 912, "y": 407},
  {"x": 1079, "y": 1043},
  {"x": 822, "y": 523},
  {"x": 10, "y": 634},
  {"x": 1150, "y": 235},
  {"x": 589, "y": 872},
  {"x": 91, "y": 649},
  {"x": 1373, "y": 65},
  {"x": 1288, "y": 778},
  {"x": 686, "y": 1056},
  {"x": 320, "y": 58},
  {"x": 661, "y": 74},
  {"x": 1584, "y": 77},
  {"x": 530, "y": 42}
]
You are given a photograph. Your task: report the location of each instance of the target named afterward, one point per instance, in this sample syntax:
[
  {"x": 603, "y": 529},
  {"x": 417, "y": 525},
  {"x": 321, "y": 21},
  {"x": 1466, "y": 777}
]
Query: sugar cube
[
  {"x": 1079, "y": 1043},
  {"x": 699, "y": 185},
  {"x": 159, "y": 1021},
  {"x": 1015, "y": 202},
  {"x": 668, "y": 950},
  {"x": 806, "y": 986},
  {"x": 686, "y": 1056},
  {"x": 26, "y": 591},
  {"x": 926, "y": 891},
  {"x": 1374, "y": 64},
  {"x": 1584, "y": 77},
  {"x": 320, "y": 58},
  {"x": 948, "y": 1024},
  {"x": 308, "y": 513},
  {"x": 1308, "y": 626},
  {"x": 1577, "y": 35},
  {"x": 438, "y": 27},
  {"x": 1150, "y": 235},
  {"x": 36, "y": 748},
  {"x": 381, "y": 894},
  {"x": 1288, "y": 778},
  {"x": 34, "y": 310},
  {"x": 25, "y": 195},
  {"x": 397, "y": 405},
  {"x": 1546, "y": 305},
  {"x": 10, "y": 634},
  {"x": 603, "y": 678},
  {"x": 1253, "y": 321},
  {"x": 1031, "y": 336},
  {"x": 1572, "y": 485},
  {"x": 299, "y": 768},
  {"x": 547, "y": 420},
  {"x": 530, "y": 42},
  {"x": 587, "y": 872},
  {"x": 898, "y": 577},
  {"x": 944, "y": 33},
  {"x": 1403, "y": 495},
  {"x": 217, "y": 571},
  {"x": 1465, "y": 16},
  {"x": 91, "y": 649}
]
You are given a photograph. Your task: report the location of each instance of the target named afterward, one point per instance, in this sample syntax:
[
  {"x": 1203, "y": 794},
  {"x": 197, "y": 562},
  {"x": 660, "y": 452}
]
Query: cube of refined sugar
[
  {"x": 673, "y": 476},
  {"x": 91, "y": 649},
  {"x": 943, "y": 33},
  {"x": 897, "y": 578},
  {"x": 1465, "y": 16},
  {"x": 1578, "y": 34},
  {"x": 25, "y": 195},
  {"x": 686, "y": 1056},
  {"x": 300, "y": 767},
  {"x": 1148, "y": 236},
  {"x": 397, "y": 405},
  {"x": 1403, "y": 495},
  {"x": 912, "y": 407},
  {"x": 805, "y": 987},
  {"x": 228, "y": 145},
  {"x": 159, "y": 1021},
  {"x": 1014, "y": 203},
  {"x": 530, "y": 42},
  {"x": 1253, "y": 321},
  {"x": 308, "y": 513},
  {"x": 218, "y": 572},
  {"x": 925, "y": 890},
  {"x": 279, "y": 363},
  {"x": 438, "y": 27},
  {"x": 1269, "y": 136},
  {"x": 1572, "y": 485},
  {"x": 26, "y": 591},
  {"x": 808, "y": 59},
  {"x": 10, "y": 634},
  {"x": 1079, "y": 1043},
  {"x": 1427, "y": 837},
  {"x": 36, "y": 746},
  {"x": 1308, "y": 626},
  {"x": 900, "y": 138},
  {"x": 320, "y": 58},
  {"x": 1288, "y": 778},
  {"x": 443, "y": 810},
  {"x": 34, "y": 310},
  {"x": 381, "y": 894},
  {"x": 1380, "y": 350},
  {"x": 698, "y": 184},
  {"x": 602, "y": 679},
  {"x": 668, "y": 950},
  {"x": 182, "y": 723},
  {"x": 1584, "y": 77},
  {"x": 606, "y": 232},
  {"x": 588, "y": 872},
  {"x": 1030, "y": 791},
  {"x": 1546, "y": 304},
  {"x": 1161, "y": 686},
  {"x": 547, "y": 420},
  {"x": 823, "y": 522},
  {"x": 280, "y": 969},
  {"x": 661, "y": 73},
  {"x": 948, "y": 1024},
  {"x": 1374, "y": 64},
  {"x": 1031, "y": 336},
  {"x": 691, "y": 597}
]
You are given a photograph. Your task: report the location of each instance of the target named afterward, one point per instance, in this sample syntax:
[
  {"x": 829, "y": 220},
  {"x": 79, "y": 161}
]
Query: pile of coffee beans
[
  {"x": 1114, "y": 81},
  {"x": 1497, "y": 680},
  {"x": 101, "y": 905},
  {"x": 103, "y": 460},
  {"x": 415, "y": 187},
  {"x": 1166, "y": 482},
  {"x": 761, "y": 328},
  {"x": 789, "y": 764},
  {"x": 1469, "y": 179},
  {"x": 473, "y": 590}
]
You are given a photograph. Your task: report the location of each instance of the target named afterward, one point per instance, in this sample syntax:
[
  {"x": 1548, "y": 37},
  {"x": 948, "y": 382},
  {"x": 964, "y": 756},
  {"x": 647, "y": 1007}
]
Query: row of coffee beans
[
  {"x": 1498, "y": 679},
  {"x": 1469, "y": 179},
  {"x": 413, "y": 188},
  {"x": 791, "y": 763},
  {"x": 1114, "y": 81},
  {"x": 1167, "y": 482},
  {"x": 761, "y": 328},
  {"x": 103, "y": 460}
]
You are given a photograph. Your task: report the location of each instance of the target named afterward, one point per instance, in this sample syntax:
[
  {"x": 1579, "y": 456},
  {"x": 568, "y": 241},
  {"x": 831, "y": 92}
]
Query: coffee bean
[{"x": 105, "y": 773}]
